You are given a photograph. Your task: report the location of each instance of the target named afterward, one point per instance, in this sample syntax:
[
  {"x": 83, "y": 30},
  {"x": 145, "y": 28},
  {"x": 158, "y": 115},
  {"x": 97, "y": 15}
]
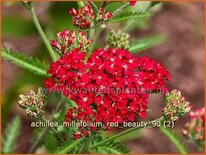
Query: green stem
[
  {"x": 43, "y": 36},
  {"x": 94, "y": 38},
  {"x": 39, "y": 140},
  {"x": 178, "y": 144},
  {"x": 85, "y": 147},
  {"x": 124, "y": 133},
  {"x": 43, "y": 134},
  {"x": 57, "y": 135}
]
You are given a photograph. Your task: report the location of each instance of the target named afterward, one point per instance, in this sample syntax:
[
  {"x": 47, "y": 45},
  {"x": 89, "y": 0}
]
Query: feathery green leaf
[
  {"x": 71, "y": 147},
  {"x": 27, "y": 62},
  {"x": 128, "y": 15},
  {"x": 10, "y": 136},
  {"x": 142, "y": 44},
  {"x": 112, "y": 148}
]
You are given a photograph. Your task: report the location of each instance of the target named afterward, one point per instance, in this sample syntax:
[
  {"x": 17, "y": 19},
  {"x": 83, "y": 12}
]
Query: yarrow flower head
[
  {"x": 68, "y": 40},
  {"x": 118, "y": 40},
  {"x": 176, "y": 106},
  {"x": 84, "y": 18},
  {"x": 195, "y": 129},
  {"x": 113, "y": 85},
  {"x": 33, "y": 103}
]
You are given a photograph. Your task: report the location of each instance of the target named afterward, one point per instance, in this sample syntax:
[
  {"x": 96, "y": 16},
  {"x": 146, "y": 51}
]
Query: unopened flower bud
[
  {"x": 108, "y": 15},
  {"x": 73, "y": 12}
]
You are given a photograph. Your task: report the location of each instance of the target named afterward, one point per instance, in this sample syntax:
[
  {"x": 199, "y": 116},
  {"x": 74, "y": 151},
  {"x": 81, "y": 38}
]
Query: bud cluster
[
  {"x": 118, "y": 39},
  {"x": 68, "y": 40},
  {"x": 195, "y": 129},
  {"x": 176, "y": 106},
  {"x": 34, "y": 103},
  {"x": 102, "y": 17},
  {"x": 84, "y": 17}
]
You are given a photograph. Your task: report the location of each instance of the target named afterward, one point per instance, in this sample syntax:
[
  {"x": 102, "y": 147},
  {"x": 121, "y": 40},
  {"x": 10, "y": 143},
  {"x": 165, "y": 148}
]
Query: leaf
[
  {"x": 175, "y": 139},
  {"x": 128, "y": 15},
  {"x": 112, "y": 148},
  {"x": 27, "y": 62},
  {"x": 10, "y": 136},
  {"x": 72, "y": 147},
  {"x": 142, "y": 44}
]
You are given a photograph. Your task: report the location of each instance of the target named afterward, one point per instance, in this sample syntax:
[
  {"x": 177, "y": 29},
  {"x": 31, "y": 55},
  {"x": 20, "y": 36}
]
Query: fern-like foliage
[
  {"x": 71, "y": 147},
  {"x": 10, "y": 136},
  {"x": 175, "y": 138},
  {"x": 112, "y": 148},
  {"x": 27, "y": 62},
  {"x": 128, "y": 15},
  {"x": 145, "y": 43}
]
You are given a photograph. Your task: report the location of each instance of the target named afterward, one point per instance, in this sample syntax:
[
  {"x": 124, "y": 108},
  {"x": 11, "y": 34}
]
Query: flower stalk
[
  {"x": 42, "y": 34},
  {"x": 85, "y": 147},
  {"x": 178, "y": 144},
  {"x": 43, "y": 134}
]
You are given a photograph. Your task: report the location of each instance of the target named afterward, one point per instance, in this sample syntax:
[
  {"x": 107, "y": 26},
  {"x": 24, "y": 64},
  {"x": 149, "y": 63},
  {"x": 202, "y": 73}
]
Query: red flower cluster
[
  {"x": 84, "y": 17},
  {"x": 68, "y": 40},
  {"x": 110, "y": 87},
  {"x": 152, "y": 75},
  {"x": 65, "y": 71}
]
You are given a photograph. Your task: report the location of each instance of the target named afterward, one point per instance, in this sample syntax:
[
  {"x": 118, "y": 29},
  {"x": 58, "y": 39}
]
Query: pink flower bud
[
  {"x": 77, "y": 135},
  {"x": 86, "y": 133},
  {"x": 54, "y": 43},
  {"x": 90, "y": 40},
  {"x": 101, "y": 11},
  {"x": 108, "y": 15},
  {"x": 73, "y": 12}
]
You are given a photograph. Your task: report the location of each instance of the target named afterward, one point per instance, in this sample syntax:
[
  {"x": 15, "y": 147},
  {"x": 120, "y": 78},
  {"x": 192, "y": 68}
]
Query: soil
[{"x": 182, "y": 54}]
